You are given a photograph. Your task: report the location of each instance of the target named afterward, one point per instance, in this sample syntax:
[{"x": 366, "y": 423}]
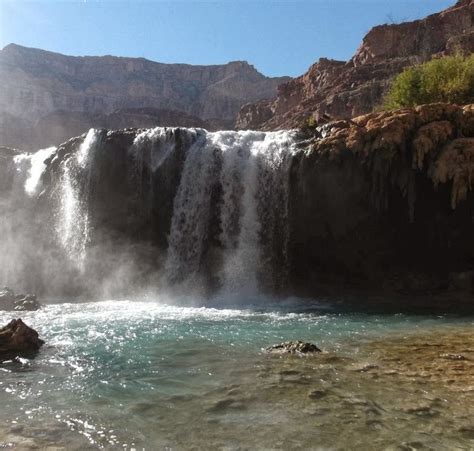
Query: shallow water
[{"x": 129, "y": 374}]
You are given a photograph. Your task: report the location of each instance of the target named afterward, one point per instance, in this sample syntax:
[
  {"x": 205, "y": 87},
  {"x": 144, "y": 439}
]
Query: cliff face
[
  {"x": 57, "y": 127},
  {"x": 347, "y": 89},
  {"x": 36, "y": 83},
  {"x": 383, "y": 202},
  {"x": 386, "y": 200}
]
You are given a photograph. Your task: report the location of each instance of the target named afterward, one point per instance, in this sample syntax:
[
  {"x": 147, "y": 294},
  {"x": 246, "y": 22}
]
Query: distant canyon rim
[{"x": 47, "y": 98}]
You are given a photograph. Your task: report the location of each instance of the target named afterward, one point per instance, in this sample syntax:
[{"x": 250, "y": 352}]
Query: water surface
[{"x": 130, "y": 374}]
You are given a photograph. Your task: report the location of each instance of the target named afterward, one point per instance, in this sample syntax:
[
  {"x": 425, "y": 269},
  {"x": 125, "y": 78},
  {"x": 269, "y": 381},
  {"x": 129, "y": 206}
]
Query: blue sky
[{"x": 278, "y": 37}]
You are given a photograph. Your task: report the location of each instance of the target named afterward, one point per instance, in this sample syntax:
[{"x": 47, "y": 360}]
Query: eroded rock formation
[
  {"x": 347, "y": 89},
  {"x": 386, "y": 198},
  {"x": 47, "y": 97}
]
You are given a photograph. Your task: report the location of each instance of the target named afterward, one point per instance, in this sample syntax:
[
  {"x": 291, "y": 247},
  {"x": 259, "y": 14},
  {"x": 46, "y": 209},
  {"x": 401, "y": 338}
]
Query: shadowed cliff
[{"x": 382, "y": 202}]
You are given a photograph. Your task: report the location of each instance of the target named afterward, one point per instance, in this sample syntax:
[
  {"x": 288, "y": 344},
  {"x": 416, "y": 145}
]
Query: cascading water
[
  {"x": 20, "y": 248},
  {"x": 36, "y": 163},
  {"x": 74, "y": 192},
  {"x": 150, "y": 149},
  {"x": 192, "y": 210},
  {"x": 213, "y": 207},
  {"x": 252, "y": 169},
  {"x": 244, "y": 165}
]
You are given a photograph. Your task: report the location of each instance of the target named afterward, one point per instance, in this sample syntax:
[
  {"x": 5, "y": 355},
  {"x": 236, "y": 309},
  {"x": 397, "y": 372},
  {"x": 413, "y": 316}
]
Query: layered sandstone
[
  {"x": 40, "y": 88},
  {"x": 346, "y": 89}
]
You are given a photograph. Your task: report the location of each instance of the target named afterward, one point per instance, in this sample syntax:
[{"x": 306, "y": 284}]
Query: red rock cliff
[{"x": 349, "y": 89}]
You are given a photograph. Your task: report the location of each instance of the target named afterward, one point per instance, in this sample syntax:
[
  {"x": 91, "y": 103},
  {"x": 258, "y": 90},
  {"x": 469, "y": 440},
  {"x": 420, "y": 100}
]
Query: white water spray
[
  {"x": 246, "y": 165},
  {"x": 256, "y": 170},
  {"x": 73, "y": 216},
  {"x": 36, "y": 163},
  {"x": 189, "y": 227}
]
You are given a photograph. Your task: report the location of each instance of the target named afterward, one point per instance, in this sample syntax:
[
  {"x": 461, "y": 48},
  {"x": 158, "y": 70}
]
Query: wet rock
[
  {"x": 19, "y": 302},
  {"x": 409, "y": 169},
  {"x": 227, "y": 403},
  {"x": 317, "y": 394},
  {"x": 17, "y": 338},
  {"x": 7, "y": 299},
  {"x": 293, "y": 347},
  {"x": 365, "y": 367},
  {"x": 26, "y": 303},
  {"x": 462, "y": 281}
]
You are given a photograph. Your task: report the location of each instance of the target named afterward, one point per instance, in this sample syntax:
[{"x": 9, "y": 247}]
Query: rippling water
[{"x": 129, "y": 374}]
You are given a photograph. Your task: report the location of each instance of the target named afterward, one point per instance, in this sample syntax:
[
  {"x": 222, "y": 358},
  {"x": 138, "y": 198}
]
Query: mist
[{"x": 140, "y": 213}]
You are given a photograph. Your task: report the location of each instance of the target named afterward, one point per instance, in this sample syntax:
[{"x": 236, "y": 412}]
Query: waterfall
[
  {"x": 192, "y": 209},
  {"x": 20, "y": 247},
  {"x": 249, "y": 167},
  {"x": 74, "y": 192},
  {"x": 159, "y": 142},
  {"x": 253, "y": 170},
  {"x": 186, "y": 207},
  {"x": 150, "y": 150},
  {"x": 36, "y": 162}
]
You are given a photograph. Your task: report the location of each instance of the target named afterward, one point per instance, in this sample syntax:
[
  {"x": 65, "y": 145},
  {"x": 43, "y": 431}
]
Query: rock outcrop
[
  {"x": 16, "y": 338},
  {"x": 386, "y": 200},
  {"x": 18, "y": 302},
  {"x": 347, "y": 89},
  {"x": 49, "y": 91},
  {"x": 293, "y": 347}
]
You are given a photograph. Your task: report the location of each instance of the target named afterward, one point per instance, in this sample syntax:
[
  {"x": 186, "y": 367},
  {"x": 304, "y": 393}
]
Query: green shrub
[
  {"x": 449, "y": 79},
  {"x": 309, "y": 125}
]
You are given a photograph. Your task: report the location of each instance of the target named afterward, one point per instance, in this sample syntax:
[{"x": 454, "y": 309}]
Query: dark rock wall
[
  {"x": 383, "y": 201},
  {"x": 365, "y": 210}
]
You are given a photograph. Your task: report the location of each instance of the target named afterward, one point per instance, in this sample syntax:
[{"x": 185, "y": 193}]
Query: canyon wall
[
  {"x": 346, "y": 89},
  {"x": 68, "y": 94}
]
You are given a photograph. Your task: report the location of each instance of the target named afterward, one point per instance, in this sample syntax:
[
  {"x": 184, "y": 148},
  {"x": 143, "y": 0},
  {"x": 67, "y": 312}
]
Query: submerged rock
[
  {"x": 19, "y": 302},
  {"x": 17, "y": 338},
  {"x": 293, "y": 347}
]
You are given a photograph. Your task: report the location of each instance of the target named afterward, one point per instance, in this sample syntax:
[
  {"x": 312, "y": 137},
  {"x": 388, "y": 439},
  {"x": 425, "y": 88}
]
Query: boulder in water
[
  {"x": 293, "y": 347},
  {"x": 17, "y": 338},
  {"x": 19, "y": 302}
]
